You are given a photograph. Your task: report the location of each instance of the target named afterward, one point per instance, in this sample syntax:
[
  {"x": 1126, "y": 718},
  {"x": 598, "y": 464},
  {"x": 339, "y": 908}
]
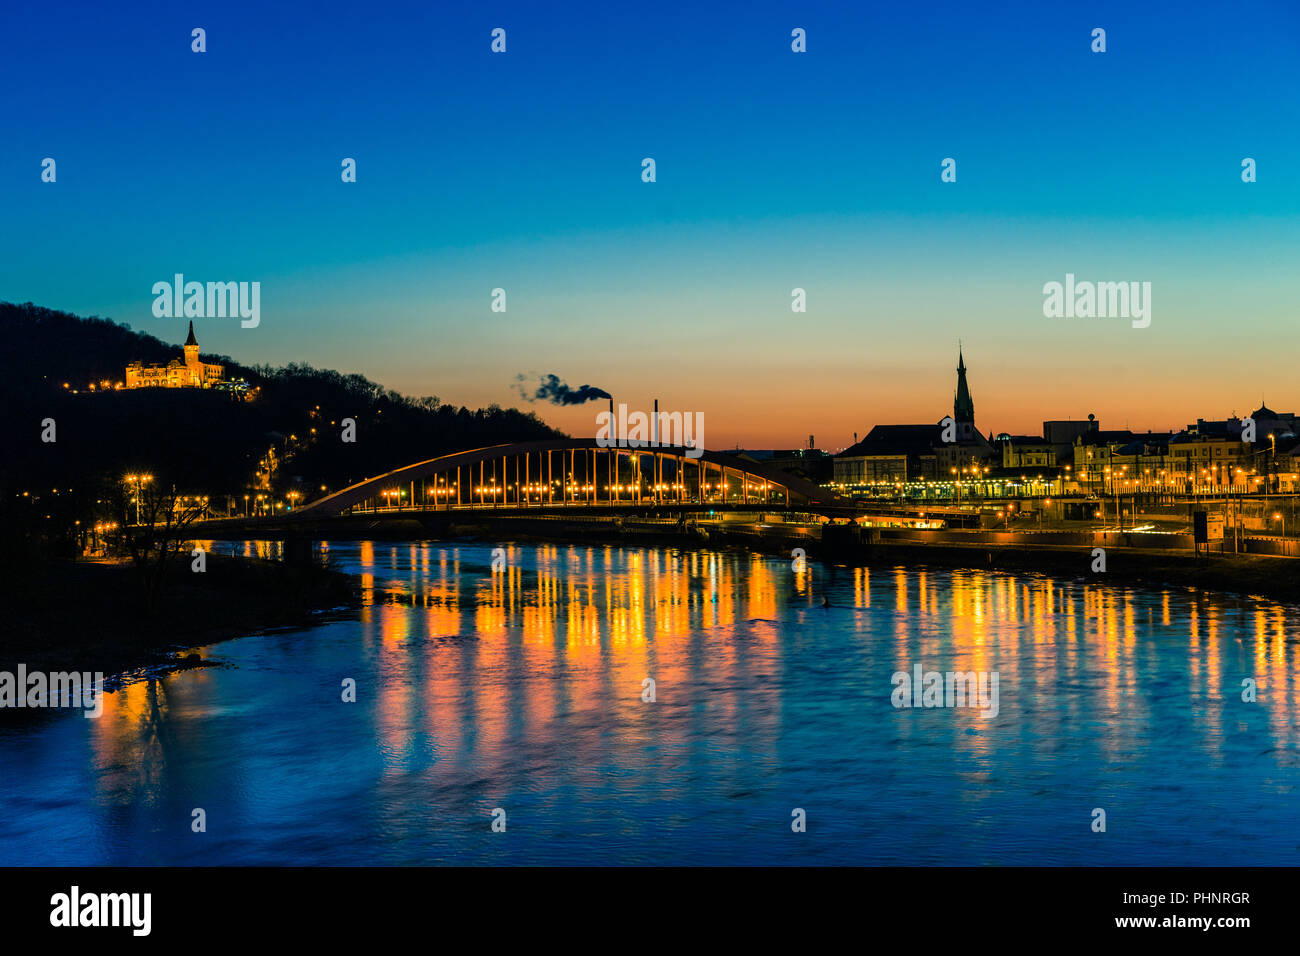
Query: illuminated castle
[{"x": 190, "y": 373}]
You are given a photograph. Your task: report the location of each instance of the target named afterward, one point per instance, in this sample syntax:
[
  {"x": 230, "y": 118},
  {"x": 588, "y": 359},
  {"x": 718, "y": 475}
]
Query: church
[
  {"x": 970, "y": 447},
  {"x": 892, "y": 453},
  {"x": 190, "y": 373}
]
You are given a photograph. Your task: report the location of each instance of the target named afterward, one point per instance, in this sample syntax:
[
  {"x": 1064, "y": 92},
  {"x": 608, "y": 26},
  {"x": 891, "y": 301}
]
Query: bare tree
[{"x": 154, "y": 529}]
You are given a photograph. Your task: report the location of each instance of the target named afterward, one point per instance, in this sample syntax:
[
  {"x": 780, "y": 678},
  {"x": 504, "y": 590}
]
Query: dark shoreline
[{"x": 92, "y": 616}]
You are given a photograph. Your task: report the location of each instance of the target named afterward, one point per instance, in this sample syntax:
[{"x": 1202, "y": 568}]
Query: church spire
[
  {"x": 963, "y": 408},
  {"x": 192, "y": 340}
]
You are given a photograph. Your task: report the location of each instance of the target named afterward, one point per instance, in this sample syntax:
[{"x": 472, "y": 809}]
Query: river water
[{"x": 519, "y": 695}]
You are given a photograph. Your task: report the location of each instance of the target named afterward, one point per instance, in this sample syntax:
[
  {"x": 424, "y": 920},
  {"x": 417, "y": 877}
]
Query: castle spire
[{"x": 192, "y": 340}]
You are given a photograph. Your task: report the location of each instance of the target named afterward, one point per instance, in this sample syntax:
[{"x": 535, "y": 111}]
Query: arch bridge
[{"x": 575, "y": 474}]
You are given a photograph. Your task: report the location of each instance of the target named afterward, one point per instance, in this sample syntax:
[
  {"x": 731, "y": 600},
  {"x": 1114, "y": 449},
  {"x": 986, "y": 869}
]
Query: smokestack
[
  {"x": 654, "y": 426},
  {"x": 613, "y": 422}
]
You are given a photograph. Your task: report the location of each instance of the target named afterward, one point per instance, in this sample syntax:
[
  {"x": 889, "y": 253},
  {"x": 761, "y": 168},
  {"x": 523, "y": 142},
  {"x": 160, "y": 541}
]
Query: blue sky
[{"x": 775, "y": 170}]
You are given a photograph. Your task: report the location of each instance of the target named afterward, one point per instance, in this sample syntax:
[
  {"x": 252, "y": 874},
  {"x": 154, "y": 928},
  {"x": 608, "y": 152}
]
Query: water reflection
[{"x": 522, "y": 688}]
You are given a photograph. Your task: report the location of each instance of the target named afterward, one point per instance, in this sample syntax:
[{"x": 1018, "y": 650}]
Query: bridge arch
[{"x": 573, "y": 472}]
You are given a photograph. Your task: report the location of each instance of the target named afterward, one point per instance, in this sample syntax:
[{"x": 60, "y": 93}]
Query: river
[{"x": 520, "y": 696}]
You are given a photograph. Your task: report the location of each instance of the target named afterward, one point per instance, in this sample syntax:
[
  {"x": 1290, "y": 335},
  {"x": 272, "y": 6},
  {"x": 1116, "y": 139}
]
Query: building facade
[
  {"x": 1211, "y": 461},
  {"x": 888, "y": 454},
  {"x": 1026, "y": 451},
  {"x": 187, "y": 373}
]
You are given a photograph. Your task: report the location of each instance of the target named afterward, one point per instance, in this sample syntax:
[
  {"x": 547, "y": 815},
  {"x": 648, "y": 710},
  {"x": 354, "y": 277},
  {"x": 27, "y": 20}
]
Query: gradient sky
[{"x": 775, "y": 170}]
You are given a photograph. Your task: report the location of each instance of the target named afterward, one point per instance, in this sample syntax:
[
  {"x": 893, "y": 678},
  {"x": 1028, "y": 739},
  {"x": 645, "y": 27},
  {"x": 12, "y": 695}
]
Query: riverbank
[
  {"x": 1148, "y": 560},
  {"x": 93, "y": 616},
  {"x": 1268, "y": 576}
]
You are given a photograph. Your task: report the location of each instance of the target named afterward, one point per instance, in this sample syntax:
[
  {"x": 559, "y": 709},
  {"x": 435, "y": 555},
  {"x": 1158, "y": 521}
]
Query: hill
[{"x": 287, "y": 437}]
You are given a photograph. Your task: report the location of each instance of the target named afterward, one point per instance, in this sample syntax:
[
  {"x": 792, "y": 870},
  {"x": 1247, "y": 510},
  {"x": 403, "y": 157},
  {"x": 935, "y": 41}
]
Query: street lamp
[
  {"x": 1272, "y": 464},
  {"x": 138, "y": 481}
]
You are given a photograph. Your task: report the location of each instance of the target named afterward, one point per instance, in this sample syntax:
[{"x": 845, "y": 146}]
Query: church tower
[{"x": 963, "y": 408}]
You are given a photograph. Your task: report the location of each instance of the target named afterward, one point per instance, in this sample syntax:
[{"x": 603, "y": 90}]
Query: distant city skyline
[
  {"x": 589, "y": 411},
  {"x": 775, "y": 170}
]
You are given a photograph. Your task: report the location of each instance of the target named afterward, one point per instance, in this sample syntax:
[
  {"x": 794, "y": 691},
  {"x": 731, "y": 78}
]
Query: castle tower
[
  {"x": 963, "y": 407},
  {"x": 192, "y": 348},
  {"x": 193, "y": 371}
]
